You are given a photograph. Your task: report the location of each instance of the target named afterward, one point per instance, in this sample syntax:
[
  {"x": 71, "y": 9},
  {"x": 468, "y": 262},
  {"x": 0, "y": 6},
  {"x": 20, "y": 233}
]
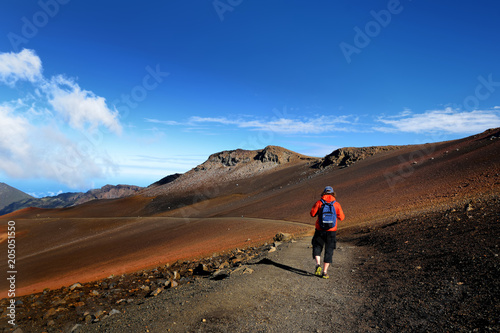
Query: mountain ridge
[
  {"x": 240, "y": 164},
  {"x": 69, "y": 199},
  {"x": 227, "y": 165},
  {"x": 9, "y": 195}
]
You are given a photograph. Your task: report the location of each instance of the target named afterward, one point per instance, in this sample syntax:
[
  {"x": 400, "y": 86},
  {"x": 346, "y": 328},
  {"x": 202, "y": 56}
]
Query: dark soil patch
[{"x": 437, "y": 272}]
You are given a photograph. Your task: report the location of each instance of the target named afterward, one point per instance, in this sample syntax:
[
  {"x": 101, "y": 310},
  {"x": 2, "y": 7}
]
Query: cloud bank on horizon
[{"x": 447, "y": 120}]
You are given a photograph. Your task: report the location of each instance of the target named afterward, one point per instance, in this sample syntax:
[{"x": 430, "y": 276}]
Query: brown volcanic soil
[{"x": 55, "y": 252}]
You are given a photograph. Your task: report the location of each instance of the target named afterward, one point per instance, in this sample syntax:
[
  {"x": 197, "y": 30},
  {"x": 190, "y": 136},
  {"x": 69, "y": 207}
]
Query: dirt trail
[{"x": 278, "y": 293}]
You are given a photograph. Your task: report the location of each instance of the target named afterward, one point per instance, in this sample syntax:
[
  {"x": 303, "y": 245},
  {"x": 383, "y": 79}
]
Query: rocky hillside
[
  {"x": 229, "y": 166},
  {"x": 109, "y": 192},
  {"x": 9, "y": 194},
  {"x": 345, "y": 157},
  {"x": 72, "y": 198},
  {"x": 166, "y": 180},
  {"x": 270, "y": 157}
]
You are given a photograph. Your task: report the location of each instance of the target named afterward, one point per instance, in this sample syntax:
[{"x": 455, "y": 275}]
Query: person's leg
[
  {"x": 317, "y": 269},
  {"x": 317, "y": 244},
  {"x": 330, "y": 245}
]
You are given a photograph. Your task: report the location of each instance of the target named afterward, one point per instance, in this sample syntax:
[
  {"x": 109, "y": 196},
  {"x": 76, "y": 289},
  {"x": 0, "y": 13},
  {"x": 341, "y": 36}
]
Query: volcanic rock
[
  {"x": 282, "y": 237},
  {"x": 345, "y": 157},
  {"x": 220, "y": 274},
  {"x": 115, "y": 311},
  {"x": 155, "y": 292},
  {"x": 74, "y": 286},
  {"x": 201, "y": 269},
  {"x": 49, "y": 313}
]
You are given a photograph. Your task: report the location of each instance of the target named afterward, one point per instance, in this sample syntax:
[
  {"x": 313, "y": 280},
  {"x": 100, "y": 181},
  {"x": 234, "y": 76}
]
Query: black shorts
[{"x": 326, "y": 239}]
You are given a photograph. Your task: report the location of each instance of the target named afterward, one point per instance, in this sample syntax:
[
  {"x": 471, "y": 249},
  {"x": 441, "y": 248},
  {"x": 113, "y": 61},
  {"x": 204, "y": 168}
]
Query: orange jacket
[{"x": 338, "y": 210}]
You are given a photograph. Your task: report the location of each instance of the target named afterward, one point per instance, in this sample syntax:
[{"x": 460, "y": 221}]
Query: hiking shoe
[
  {"x": 318, "y": 270},
  {"x": 325, "y": 276}
]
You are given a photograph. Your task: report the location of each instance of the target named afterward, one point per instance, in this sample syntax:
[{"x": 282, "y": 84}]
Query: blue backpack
[{"x": 327, "y": 215}]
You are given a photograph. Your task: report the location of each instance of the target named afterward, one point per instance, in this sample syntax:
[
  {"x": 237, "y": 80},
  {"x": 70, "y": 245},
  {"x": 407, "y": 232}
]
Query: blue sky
[{"x": 122, "y": 92}]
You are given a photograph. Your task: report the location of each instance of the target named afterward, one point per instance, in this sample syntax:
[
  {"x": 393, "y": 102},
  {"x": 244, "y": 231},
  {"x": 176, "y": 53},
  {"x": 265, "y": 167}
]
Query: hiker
[{"x": 328, "y": 211}]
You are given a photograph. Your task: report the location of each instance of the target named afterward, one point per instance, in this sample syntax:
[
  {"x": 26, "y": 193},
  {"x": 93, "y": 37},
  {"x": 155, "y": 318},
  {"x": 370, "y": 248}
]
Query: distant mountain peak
[
  {"x": 230, "y": 165},
  {"x": 69, "y": 198},
  {"x": 9, "y": 194},
  {"x": 270, "y": 154}
]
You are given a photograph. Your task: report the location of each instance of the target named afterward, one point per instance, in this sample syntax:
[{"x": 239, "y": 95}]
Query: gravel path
[{"x": 276, "y": 294}]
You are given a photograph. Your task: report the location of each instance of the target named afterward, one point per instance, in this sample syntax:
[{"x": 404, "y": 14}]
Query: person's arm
[
  {"x": 315, "y": 208},
  {"x": 340, "y": 212}
]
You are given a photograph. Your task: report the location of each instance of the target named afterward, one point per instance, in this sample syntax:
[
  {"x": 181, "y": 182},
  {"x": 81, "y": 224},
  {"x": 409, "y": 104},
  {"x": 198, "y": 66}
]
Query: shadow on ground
[{"x": 267, "y": 261}]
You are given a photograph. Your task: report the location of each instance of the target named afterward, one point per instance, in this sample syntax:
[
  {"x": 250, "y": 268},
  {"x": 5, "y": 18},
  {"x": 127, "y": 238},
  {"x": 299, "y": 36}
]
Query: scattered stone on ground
[{"x": 87, "y": 303}]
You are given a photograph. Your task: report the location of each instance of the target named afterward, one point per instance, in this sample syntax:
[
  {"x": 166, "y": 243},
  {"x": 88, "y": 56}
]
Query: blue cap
[{"x": 328, "y": 189}]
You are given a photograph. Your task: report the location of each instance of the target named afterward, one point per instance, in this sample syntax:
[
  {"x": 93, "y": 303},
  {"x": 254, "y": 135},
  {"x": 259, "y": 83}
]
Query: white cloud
[
  {"x": 25, "y": 65},
  {"x": 13, "y": 137},
  {"x": 80, "y": 107},
  {"x": 28, "y": 151},
  {"x": 447, "y": 120},
  {"x": 163, "y": 122},
  {"x": 37, "y": 132},
  {"x": 318, "y": 125},
  {"x": 53, "y": 194}
]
